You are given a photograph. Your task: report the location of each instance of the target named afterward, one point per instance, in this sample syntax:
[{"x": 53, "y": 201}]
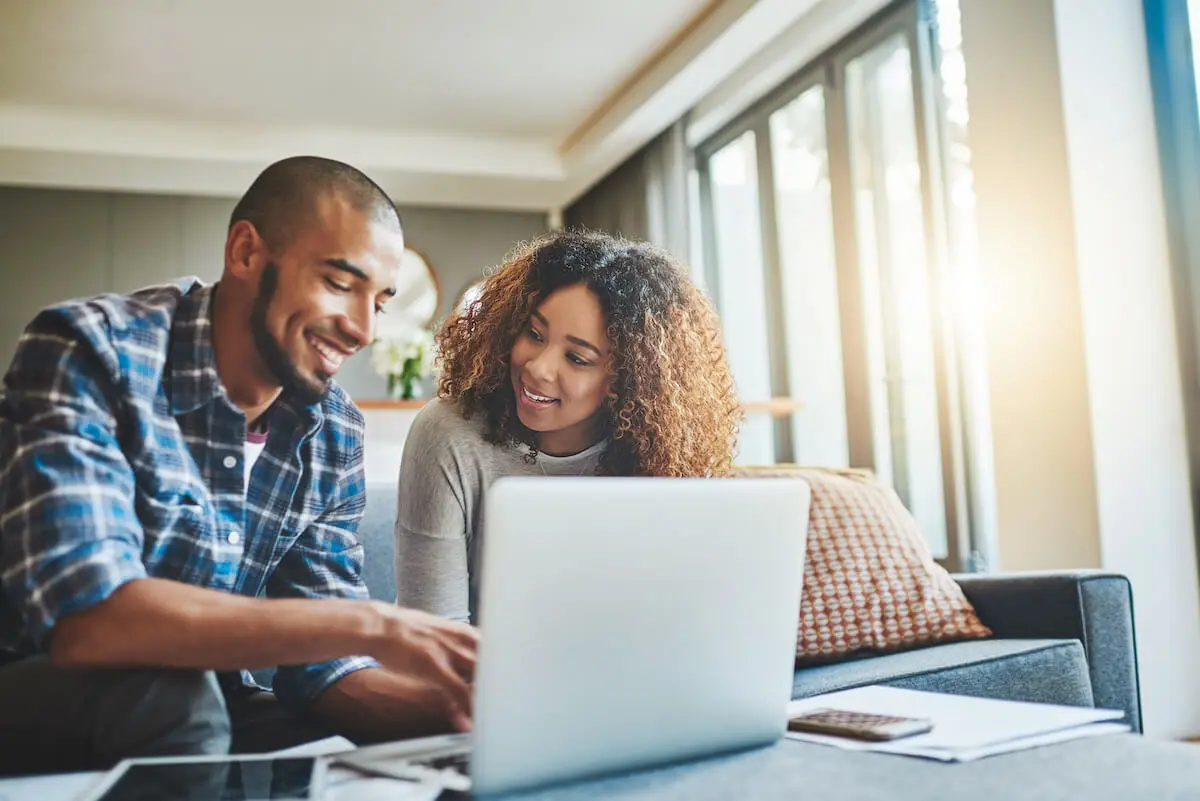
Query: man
[{"x": 180, "y": 488}]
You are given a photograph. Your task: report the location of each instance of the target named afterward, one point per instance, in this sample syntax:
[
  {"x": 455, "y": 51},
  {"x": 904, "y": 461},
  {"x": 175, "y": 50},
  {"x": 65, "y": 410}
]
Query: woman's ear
[{"x": 611, "y": 398}]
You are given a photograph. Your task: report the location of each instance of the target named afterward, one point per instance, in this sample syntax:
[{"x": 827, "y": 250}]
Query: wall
[
  {"x": 1045, "y": 487},
  {"x": 1091, "y": 466},
  {"x": 1139, "y": 437},
  {"x": 60, "y": 244}
]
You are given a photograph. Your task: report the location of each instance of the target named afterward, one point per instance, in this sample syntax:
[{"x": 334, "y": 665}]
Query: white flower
[{"x": 388, "y": 355}]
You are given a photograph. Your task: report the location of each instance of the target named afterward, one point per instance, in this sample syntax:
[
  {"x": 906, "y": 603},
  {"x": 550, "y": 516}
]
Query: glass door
[
  {"x": 733, "y": 222},
  {"x": 825, "y": 240},
  {"x": 894, "y": 275}
]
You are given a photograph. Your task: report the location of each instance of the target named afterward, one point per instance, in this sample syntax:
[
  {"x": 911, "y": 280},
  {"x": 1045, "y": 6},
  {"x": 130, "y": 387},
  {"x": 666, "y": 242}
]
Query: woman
[{"x": 584, "y": 355}]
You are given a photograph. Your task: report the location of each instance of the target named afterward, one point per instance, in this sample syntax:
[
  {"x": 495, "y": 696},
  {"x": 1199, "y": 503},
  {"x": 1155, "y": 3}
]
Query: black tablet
[{"x": 213, "y": 778}]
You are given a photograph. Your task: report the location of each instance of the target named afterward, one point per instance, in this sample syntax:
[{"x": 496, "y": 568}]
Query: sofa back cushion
[{"x": 870, "y": 582}]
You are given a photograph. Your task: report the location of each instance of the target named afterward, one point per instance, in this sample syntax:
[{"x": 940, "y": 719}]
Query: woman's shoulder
[
  {"x": 443, "y": 417},
  {"x": 441, "y": 435}
]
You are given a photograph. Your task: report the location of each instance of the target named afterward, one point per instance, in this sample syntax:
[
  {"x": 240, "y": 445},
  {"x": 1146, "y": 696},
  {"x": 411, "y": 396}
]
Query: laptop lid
[{"x": 631, "y": 622}]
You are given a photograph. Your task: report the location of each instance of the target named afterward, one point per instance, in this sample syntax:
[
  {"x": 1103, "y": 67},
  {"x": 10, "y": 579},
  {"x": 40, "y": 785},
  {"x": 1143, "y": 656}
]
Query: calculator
[{"x": 858, "y": 725}]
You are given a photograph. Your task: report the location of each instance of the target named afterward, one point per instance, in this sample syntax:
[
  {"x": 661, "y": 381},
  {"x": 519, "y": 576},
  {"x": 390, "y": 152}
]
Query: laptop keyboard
[
  {"x": 455, "y": 763},
  {"x": 449, "y": 769}
]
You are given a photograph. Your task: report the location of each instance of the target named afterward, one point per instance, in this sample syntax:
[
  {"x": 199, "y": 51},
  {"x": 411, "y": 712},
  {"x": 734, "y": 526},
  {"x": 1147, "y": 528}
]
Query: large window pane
[
  {"x": 733, "y": 181},
  {"x": 809, "y": 275},
  {"x": 893, "y": 264}
]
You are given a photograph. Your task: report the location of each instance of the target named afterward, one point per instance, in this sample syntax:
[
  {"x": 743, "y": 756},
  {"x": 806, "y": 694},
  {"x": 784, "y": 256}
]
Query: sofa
[{"x": 1059, "y": 637}]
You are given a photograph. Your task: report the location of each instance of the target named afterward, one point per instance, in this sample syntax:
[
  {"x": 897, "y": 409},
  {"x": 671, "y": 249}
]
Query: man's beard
[{"x": 306, "y": 390}]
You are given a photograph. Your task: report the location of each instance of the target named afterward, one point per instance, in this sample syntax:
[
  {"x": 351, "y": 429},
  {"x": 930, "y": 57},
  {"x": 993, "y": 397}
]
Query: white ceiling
[
  {"x": 508, "y": 67},
  {"x": 495, "y": 103}
]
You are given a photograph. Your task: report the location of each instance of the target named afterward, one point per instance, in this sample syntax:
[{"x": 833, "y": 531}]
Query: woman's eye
[
  {"x": 534, "y": 335},
  {"x": 579, "y": 360},
  {"x": 334, "y": 285},
  {"x": 379, "y": 309}
]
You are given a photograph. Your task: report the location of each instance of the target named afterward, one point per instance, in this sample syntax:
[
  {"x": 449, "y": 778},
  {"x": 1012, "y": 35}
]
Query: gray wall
[{"x": 63, "y": 244}]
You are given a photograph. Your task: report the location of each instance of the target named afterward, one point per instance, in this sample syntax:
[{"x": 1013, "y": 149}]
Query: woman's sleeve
[{"x": 431, "y": 523}]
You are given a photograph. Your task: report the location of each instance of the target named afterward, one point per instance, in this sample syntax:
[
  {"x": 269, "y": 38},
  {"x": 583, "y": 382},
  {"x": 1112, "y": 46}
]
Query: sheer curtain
[{"x": 644, "y": 198}]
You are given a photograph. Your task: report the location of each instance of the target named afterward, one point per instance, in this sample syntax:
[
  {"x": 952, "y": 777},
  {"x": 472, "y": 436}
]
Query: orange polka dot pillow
[{"x": 870, "y": 582}]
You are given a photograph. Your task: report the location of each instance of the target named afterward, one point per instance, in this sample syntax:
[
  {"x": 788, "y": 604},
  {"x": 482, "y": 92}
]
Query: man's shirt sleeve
[{"x": 69, "y": 535}]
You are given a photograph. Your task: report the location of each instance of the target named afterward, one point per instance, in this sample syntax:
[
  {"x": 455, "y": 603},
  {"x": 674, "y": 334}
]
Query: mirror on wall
[
  {"x": 418, "y": 297},
  {"x": 469, "y": 296}
]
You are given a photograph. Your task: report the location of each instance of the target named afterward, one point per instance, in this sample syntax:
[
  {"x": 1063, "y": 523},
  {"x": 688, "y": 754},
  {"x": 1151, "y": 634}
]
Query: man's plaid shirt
[{"x": 121, "y": 456}]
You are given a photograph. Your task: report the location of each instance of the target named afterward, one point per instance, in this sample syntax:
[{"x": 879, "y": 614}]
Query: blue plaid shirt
[{"x": 121, "y": 457}]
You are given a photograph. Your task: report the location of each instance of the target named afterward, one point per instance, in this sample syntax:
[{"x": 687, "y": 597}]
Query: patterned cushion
[{"x": 870, "y": 582}]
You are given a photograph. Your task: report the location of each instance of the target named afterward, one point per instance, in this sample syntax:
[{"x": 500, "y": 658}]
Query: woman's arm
[{"x": 431, "y": 520}]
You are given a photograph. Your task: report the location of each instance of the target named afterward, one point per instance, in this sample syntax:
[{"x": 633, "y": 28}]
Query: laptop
[{"x": 625, "y": 623}]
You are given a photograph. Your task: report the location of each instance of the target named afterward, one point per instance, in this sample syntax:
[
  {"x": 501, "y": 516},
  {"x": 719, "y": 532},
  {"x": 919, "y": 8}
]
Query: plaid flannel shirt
[{"x": 121, "y": 456}]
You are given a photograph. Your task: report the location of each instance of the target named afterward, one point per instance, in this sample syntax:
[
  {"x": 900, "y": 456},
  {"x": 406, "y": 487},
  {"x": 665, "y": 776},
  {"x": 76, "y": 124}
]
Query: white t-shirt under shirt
[
  {"x": 446, "y": 468},
  {"x": 255, "y": 442}
]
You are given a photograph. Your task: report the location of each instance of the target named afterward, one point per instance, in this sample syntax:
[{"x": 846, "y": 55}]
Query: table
[{"x": 1098, "y": 769}]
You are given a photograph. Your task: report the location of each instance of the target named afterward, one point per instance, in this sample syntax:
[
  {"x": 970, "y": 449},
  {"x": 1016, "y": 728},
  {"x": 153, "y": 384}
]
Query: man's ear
[{"x": 245, "y": 250}]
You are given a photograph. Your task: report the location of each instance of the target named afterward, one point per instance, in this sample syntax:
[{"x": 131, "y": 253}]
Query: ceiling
[
  {"x": 489, "y": 103},
  {"x": 509, "y": 68}
]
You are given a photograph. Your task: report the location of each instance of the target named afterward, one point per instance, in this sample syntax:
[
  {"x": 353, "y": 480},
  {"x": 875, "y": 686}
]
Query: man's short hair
[{"x": 283, "y": 197}]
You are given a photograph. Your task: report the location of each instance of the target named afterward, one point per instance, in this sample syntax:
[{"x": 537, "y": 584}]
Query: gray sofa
[{"x": 1061, "y": 637}]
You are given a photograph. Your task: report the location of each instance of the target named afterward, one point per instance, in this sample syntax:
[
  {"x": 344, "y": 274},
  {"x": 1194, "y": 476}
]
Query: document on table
[
  {"x": 964, "y": 728},
  {"x": 344, "y": 784}
]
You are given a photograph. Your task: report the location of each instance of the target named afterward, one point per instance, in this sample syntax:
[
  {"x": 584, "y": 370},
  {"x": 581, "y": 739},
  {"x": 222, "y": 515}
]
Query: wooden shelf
[
  {"x": 391, "y": 404},
  {"x": 773, "y": 407}
]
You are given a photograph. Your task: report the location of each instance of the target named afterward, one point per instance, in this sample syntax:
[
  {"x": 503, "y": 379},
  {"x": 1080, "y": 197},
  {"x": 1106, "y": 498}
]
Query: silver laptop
[{"x": 626, "y": 623}]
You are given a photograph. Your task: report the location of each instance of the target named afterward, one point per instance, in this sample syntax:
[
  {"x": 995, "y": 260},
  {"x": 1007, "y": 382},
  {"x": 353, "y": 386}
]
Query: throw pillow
[{"x": 870, "y": 582}]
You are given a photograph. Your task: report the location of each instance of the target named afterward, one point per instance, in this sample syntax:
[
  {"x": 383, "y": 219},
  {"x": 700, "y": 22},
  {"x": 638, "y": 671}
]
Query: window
[
  {"x": 827, "y": 222},
  {"x": 1173, "y": 44},
  {"x": 808, "y": 273},
  {"x": 735, "y": 222}
]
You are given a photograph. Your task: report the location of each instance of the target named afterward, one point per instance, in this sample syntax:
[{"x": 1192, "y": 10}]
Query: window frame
[
  {"x": 1174, "y": 88},
  {"x": 911, "y": 19}
]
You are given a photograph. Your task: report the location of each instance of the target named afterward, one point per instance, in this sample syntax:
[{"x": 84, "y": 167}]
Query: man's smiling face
[{"x": 319, "y": 297}]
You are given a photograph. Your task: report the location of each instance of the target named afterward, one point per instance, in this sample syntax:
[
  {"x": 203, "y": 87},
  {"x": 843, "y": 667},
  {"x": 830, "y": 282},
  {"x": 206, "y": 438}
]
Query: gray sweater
[{"x": 446, "y": 469}]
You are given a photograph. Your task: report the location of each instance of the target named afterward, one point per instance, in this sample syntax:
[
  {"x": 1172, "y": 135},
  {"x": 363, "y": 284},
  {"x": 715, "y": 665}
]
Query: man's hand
[
  {"x": 434, "y": 657},
  {"x": 376, "y": 705}
]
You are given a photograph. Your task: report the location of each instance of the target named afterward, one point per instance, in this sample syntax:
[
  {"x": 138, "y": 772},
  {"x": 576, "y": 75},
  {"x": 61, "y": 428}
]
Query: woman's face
[{"x": 561, "y": 371}]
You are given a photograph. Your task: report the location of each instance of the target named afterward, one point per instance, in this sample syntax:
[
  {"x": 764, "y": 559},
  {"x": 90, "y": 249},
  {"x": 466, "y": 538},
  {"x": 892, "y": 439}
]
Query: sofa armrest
[{"x": 1091, "y": 606}]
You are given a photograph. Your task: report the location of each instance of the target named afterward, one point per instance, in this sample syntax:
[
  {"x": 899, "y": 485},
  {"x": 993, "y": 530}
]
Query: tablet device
[{"x": 213, "y": 778}]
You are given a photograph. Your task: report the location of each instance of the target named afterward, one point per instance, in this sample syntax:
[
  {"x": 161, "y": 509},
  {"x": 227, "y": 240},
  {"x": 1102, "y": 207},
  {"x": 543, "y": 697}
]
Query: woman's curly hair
[{"x": 672, "y": 410}]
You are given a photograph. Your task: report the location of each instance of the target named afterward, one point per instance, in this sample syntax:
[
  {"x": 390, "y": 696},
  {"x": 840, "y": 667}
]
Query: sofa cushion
[
  {"x": 870, "y": 581},
  {"x": 1043, "y": 671},
  {"x": 377, "y": 532}
]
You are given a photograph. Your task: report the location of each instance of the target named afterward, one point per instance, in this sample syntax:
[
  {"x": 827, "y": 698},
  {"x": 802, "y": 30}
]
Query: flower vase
[
  {"x": 412, "y": 387},
  {"x": 404, "y": 386}
]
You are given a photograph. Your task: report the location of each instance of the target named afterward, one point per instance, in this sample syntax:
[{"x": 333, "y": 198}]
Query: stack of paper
[{"x": 964, "y": 728}]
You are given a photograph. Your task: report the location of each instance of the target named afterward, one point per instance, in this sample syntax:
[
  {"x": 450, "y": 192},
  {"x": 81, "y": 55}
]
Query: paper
[
  {"x": 345, "y": 787},
  {"x": 965, "y": 728},
  {"x": 330, "y": 745},
  {"x": 344, "y": 784},
  {"x": 55, "y": 787}
]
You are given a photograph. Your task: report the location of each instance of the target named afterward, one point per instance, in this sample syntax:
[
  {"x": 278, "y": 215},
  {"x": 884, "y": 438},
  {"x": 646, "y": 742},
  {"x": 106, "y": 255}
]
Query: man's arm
[
  {"x": 352, "y": 694},
  {"x": 69, "y": 536},
  {"x": 152, "y": 622},
  {"x": 159, "y": 623},
  {"x": 71, "y": 545}
]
